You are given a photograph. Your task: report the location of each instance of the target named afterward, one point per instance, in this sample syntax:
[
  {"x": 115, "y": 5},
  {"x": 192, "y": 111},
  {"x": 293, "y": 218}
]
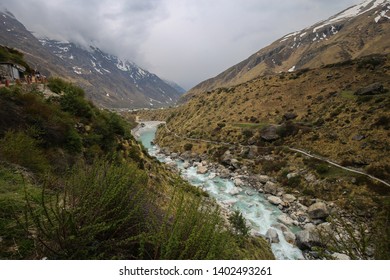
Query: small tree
[{"x": 238, "y": 223}]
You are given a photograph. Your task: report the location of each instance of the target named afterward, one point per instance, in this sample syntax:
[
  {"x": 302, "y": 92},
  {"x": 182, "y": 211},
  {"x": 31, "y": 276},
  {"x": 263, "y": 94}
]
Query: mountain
[
  {"x": 360, "y": 30},
  {"x": 108, "y": 80},
  {"x": 176, "y": 86}
]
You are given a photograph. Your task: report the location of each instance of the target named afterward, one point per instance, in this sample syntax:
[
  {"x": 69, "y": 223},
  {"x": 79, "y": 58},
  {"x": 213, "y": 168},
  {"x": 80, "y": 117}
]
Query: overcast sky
[{"x": 186, "y": 41}]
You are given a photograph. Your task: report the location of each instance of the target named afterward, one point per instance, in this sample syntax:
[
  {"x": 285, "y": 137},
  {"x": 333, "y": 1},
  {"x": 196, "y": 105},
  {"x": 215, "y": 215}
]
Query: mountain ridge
[
  {"x": 108, "y": 80},
  {"x": 357, "y": 31}
]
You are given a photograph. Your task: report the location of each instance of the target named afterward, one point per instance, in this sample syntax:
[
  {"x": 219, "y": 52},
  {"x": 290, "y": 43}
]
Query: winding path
[{"x": 291, "y": 149}]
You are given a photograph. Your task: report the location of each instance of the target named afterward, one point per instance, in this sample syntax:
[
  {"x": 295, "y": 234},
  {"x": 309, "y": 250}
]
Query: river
[{"x": 254, "y": 207}]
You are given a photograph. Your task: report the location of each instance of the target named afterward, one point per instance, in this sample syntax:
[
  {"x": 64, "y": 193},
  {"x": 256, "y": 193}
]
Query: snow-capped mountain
[
  {"x": 360, "y": 30},
  {"x": 95, "y": 65},
  {"x": 108, "y": 80}
]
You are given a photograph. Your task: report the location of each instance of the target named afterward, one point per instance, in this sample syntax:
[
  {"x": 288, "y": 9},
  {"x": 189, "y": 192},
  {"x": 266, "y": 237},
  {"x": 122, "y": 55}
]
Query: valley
[{"x": 284, "y": 155}]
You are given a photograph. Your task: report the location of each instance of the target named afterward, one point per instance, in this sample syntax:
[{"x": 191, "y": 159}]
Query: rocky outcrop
[
  {"x": 269, "y": 133},
  {"x": 375, "y": 88}
]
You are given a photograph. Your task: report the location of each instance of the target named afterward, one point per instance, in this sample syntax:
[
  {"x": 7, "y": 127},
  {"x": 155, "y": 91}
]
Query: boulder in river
[
  {"x": 284, "y": 219},
  {"x": 201, "y": 169},
  {"x": 272, "y": 235}
]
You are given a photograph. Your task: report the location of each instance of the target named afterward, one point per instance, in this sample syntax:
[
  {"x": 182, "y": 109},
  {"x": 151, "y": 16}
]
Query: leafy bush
[
  {"x": 196, "y": 232},
  {"x": 21, "y": 149},
  {"x": 57, "y": 85},
  {"x": 98, "y": 215},
  {"x": 187, "y": 147}
]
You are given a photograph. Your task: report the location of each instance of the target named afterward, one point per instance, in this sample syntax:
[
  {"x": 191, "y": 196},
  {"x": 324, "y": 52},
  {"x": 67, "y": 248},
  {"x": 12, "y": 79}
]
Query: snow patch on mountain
[{"x": 352, "y": 12}]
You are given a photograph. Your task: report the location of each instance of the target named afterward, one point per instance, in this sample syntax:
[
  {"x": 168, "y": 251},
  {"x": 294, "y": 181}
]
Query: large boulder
[
  {"x": 238, "y": 182},
  {"x": 270, "y": 187},
  {"x": 318, "y": 210},
  {"x": 284, "y": 219},
  {"x": 272, "y": 236},
  {"x": 274, "y": 200},
  {"x": 289, "y": 198},
  {"x": 263, "y": 178},
  {"x": 269, "y": 133},
  {"x": 306, "y": 239},
  {"x": 201, "y": 169},
  {"x": 375, "y": 88}
]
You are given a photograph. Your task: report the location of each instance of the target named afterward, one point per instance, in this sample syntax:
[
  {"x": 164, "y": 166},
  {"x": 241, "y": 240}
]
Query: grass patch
[{"x": 348, "y": 94}]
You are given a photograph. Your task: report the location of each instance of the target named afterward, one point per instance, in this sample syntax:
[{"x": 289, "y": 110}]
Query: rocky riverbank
[{"x": 309, "y": 218}]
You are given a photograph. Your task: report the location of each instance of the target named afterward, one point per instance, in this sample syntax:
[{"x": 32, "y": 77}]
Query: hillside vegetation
[{"x": 74, "y": 184}]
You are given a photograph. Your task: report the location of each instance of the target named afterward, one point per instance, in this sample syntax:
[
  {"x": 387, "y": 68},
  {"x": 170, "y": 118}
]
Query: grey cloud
[{"x": 182, "y": 40}]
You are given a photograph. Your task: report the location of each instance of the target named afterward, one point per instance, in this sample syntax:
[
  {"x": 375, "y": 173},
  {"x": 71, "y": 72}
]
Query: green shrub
[
  {"x": 21, "y": 149},
  {"x": 98, "y": 214},
  {"x": 57, "y": 85},
  {"x": 238, "y": 224},
  {"x": 322, "y": 168},
  {"x": 187, "y": 147},
  {"x": 193, "y": 230}
]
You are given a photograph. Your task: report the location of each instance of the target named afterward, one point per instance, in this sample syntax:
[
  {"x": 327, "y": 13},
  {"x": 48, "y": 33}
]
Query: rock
[
  {"x": 201, "y": 169},
  {"x": 270, "y": 187},
  {"x": 269, "y": 133},
  {"x": 284, "y": 219},
  {"x": 375, "y": 88},
  {"x": 340, "y": 257},
  {"x": 318, "y": 210},
  {"x": 235, "y": 191},
  {"x": 186, "y": 165},
  {"x": 238, "y": 182},
  {"x": 289, "y": 116},
  {"x": 263, "y": 178},
  {"x": 310, "y": 177},
  {"x": 235, "y": 163},
  {"x": 306, "y": 239},
  {"x": 289, "y": 198},
  {"x": 292, "y": 175},
  {"x": 287, "y": 233},
  {"x": 174, "y": 155},
  {"x": 274, "y": 200},
  {"x": 358, "y": 137},
  {"x": 289, "y": 236},
  {"x": 272, "y": 235},
  {"x": 224, "y": 173},
  {"x": 309, "y": 226}
]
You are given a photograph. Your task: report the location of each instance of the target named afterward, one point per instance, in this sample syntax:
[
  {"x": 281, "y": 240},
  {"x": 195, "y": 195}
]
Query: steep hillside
[
  {"x": 74, "y": 184},
  {"x": 361, "y": 30},
  {"x": 108, "y": 81}
]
